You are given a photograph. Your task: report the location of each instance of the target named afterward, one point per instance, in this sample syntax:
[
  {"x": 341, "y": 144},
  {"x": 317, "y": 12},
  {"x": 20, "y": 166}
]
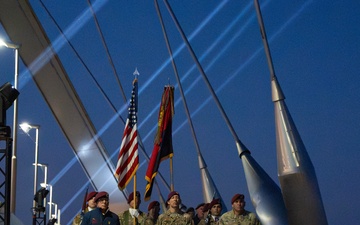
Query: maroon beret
[
  {"x": 206, "y": 207},
  {"x": 153, "y": 204},
  {"x": 102, "y": 194},
  {"x": 131, "y": 196},
  {"x": 214, "y": 202},
  {"x": 201, "y": 204},
  {"x": 236, "y": 197},
  {"x": 172, "y": 194},
  {"x": 91, "y": 195}
]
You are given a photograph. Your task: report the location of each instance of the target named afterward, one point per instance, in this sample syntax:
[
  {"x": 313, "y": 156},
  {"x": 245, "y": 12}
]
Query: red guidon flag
[
  {"x": 163, "y": 148},
  {"x": 128, "y": 159}
]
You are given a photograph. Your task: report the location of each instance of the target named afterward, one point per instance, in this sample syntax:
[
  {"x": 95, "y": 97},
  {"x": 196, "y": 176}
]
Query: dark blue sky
[{"x": 315, "y": 50}]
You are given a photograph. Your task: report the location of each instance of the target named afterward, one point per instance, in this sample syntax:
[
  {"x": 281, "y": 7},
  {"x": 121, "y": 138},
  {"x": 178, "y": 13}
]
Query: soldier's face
[
  {"x": 92, "y": 203},
  {"x": 239, "y": 205},
  {"x": 103, "y": 203},
  {"x": 216, "y": 210},
  {"x": 174, "y": 201},
  {"x": 200, "y": 212},
  {"x": 135, "y": 203}
]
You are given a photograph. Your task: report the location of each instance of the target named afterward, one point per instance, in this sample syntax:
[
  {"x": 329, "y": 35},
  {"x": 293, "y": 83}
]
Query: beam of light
[
  {"x": 59, "y": 42},
  {"x": 63, "y": 171},
  {"x": 79, "y": 192}
]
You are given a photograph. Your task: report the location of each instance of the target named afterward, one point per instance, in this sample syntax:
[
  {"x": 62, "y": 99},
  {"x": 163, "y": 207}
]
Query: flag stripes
[{"x": 128, "y": 159}]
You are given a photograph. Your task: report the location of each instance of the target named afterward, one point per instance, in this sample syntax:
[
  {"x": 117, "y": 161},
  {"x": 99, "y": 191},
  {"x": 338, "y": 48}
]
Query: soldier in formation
[
  {"x": 102, "y": 214},
  {"x": 153, "y": 213},
  {"x": 213, "y": 214},
  {"x": 210, "y": 212},
  {"x": 133, "y": 213},
  {"x": 90, "y": 205},
  {"x": 174, "y": 216},
  {"x": 199, "y": 213},
  {"x": 238, "y": 215}
]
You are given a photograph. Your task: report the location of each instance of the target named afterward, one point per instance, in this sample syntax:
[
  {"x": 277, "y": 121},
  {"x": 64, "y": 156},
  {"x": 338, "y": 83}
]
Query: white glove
[{"x": 134, "y": 212}]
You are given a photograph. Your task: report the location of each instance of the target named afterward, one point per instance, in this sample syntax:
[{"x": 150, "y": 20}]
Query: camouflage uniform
[
  {"x": 149, "y": 221},
  {"x": 210, "y": 221},
  {"x": 126, "y": 219},
  {"x": 248, "y": 218},
  {"x": 78, "y": 217},
  {"x": 176, "y": 218}
]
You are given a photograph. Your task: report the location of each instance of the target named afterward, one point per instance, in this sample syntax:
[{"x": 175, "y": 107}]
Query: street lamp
[
  {"x": 14, "y": 160},
  {"x": 26, "y": 128}
]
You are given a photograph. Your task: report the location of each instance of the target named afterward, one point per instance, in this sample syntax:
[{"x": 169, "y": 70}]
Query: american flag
[{"x": 128, "y": 159}]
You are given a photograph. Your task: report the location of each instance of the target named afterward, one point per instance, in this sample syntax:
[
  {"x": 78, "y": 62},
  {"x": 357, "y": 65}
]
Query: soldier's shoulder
[
  {"x": 229, "y": 213},
  {"x": 123, "y": 213}
]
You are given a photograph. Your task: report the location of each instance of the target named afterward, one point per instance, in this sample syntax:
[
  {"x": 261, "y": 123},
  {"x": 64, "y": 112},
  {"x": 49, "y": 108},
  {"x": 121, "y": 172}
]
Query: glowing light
[{"x": 59, "y": 42}]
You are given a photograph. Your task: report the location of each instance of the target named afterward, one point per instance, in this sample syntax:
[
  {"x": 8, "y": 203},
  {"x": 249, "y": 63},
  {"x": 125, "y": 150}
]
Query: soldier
[
  {"x": 205, "y": 211},
  {"x": 153, "y": 213},
  {"x": 199, "y": 213},
  {"x": 127, "y": 217},
  {"x": 238, "y": 214},
  {"x": 91, "y": 205},
  {"x": 101, "y": 215},
  {"x": 213, "y": 215},
  {"x": 190, "y": 212},
  {"x": 174, "y": 216}
]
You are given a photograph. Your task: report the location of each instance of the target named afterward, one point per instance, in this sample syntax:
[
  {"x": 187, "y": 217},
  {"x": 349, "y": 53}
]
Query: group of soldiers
[{"x": 98, "y": 212}]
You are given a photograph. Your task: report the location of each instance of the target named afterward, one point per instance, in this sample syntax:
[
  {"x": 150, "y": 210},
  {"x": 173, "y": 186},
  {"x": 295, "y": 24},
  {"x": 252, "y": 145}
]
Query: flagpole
[
  {"x": 134, "y": 197},
  {"x": 171, "y": 175},
  {"x": 83, "y": 207}
]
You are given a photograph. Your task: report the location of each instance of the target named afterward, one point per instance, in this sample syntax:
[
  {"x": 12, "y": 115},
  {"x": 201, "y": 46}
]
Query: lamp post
[
  {"x": 14, "y": 160},
  {"x": 58, "y": 217},
  {"x": 26, "y": 128},
  {"x": 45, "y": 166},
  {"x": 50, "y": 203},
  {"x": 55, "y": 215}
]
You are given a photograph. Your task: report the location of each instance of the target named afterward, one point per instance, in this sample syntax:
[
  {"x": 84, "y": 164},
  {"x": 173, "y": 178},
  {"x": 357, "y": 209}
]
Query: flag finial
[{"x": 136, "y": 72}]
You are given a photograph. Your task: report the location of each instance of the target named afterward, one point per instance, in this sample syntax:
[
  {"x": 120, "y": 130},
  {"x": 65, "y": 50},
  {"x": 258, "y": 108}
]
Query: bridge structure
[{"x": 55, "y": 86}]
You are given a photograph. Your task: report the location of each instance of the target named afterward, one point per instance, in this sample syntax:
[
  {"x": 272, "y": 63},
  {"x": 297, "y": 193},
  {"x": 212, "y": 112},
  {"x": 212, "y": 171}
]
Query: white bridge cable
[{"x": 106, "y": 49}]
